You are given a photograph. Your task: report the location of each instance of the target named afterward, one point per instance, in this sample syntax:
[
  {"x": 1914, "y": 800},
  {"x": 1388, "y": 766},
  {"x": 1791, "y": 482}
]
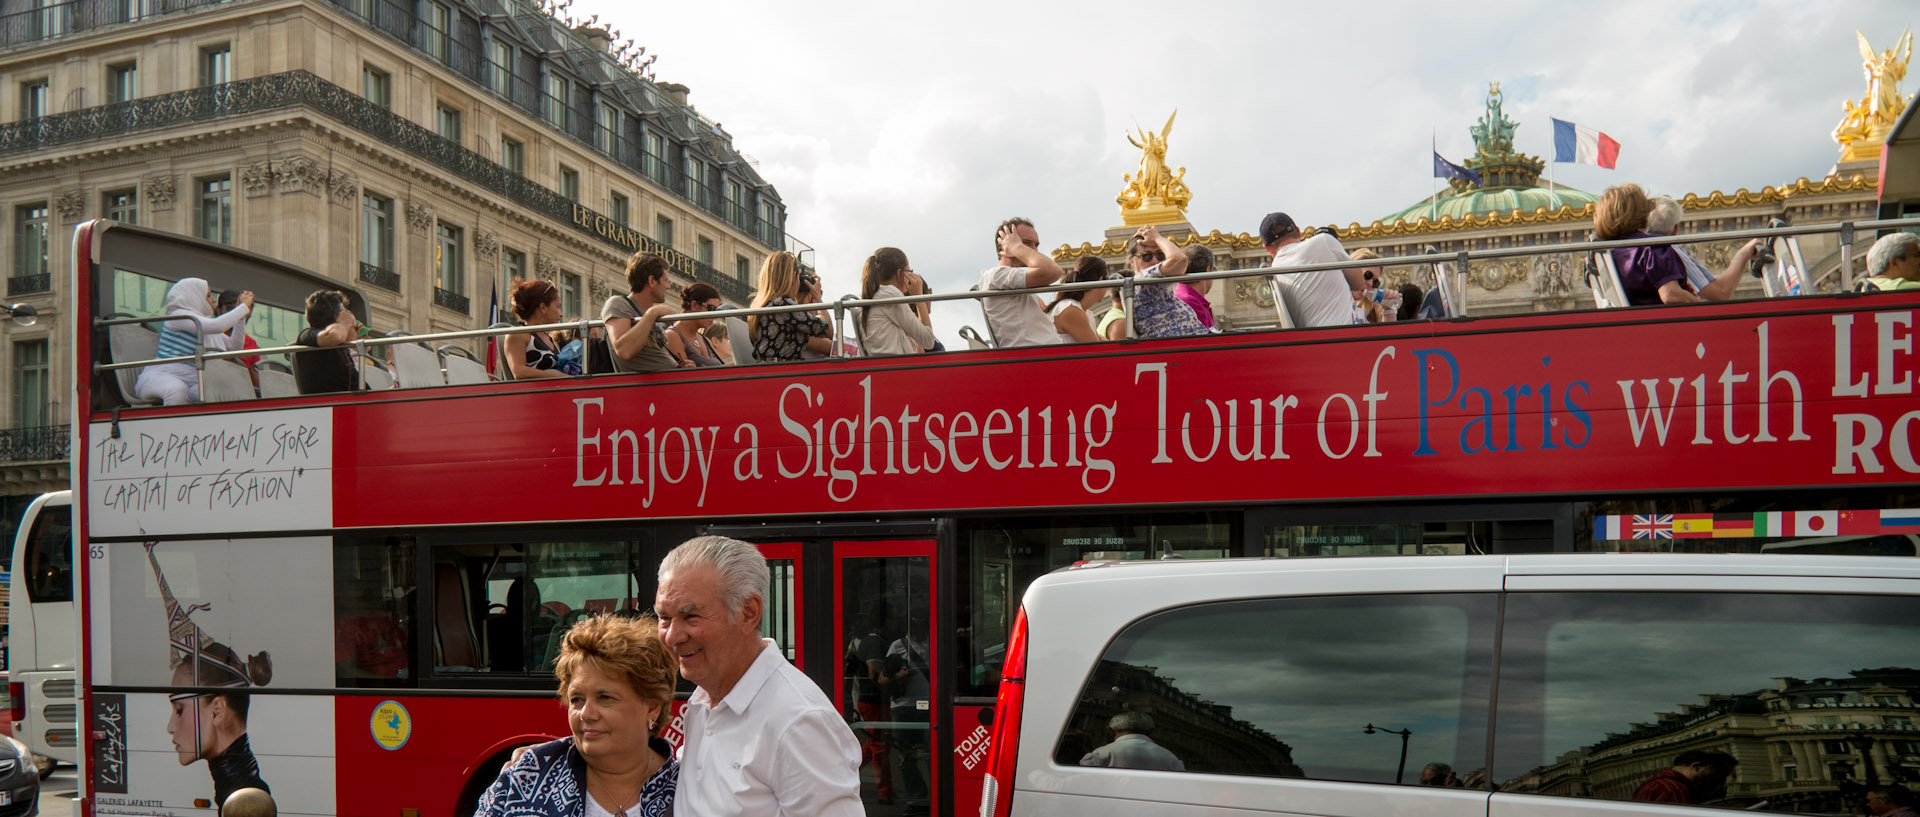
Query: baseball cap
[{"x": 1276, "y": 226}]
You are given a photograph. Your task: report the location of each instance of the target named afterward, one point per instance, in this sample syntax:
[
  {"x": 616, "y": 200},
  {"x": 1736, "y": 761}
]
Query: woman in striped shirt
[{"x": 175, "y": 384}]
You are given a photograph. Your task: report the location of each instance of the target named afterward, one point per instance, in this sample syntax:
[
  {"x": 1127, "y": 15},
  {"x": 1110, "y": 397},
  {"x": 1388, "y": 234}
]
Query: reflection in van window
[
  {"x": 1322, "y": 688},
  {"x": 1796, "y": 701}
]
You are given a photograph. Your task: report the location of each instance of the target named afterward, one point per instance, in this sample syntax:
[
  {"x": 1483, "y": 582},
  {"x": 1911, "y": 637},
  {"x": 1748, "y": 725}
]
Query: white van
[{"x": 1453, "y": 686}]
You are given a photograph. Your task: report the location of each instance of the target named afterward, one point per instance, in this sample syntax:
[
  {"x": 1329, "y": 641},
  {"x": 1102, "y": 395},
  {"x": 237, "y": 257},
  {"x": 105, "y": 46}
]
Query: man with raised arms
[{"x": 1019, "y": 320}]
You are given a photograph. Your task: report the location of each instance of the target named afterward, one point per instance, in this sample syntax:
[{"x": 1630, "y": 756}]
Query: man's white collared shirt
[{"x": 773, "y": 746}]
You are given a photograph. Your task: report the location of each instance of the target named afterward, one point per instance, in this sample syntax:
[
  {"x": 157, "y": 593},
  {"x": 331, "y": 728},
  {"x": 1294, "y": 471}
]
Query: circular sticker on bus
[{"x": 391, "y": 725}]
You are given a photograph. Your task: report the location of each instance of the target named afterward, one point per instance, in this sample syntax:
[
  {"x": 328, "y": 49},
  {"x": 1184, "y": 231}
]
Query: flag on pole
[
  {"x": 1443, "y": 169},
  {"x": 493, "y": 317},
  {"x": 1572, "y": 143}
]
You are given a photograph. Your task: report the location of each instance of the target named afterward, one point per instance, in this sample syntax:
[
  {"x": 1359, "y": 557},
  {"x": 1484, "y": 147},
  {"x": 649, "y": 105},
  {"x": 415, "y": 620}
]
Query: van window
[
  {"x": 1321, "y": 688},
  {"x": 1648, "y": 696},
  {"x": 50, "y": 555}
]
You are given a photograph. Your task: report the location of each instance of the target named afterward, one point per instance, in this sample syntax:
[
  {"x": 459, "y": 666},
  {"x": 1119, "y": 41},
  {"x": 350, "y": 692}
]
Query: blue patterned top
[{"x": 550, "y": 780}]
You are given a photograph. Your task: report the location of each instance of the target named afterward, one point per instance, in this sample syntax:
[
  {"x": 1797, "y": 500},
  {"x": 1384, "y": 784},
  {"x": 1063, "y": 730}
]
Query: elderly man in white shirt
[
  {"x": 761, "y": 738},
  {"x": 1318, "y": 298},
  {"x": 1019, "y": 320}
]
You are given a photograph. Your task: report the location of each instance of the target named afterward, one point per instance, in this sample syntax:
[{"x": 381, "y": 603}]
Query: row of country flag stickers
[{"x": 1756, "y": 525}]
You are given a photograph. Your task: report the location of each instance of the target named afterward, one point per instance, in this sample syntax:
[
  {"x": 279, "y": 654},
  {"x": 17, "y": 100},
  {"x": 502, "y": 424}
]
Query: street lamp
[
  {"x": 23, "y": 315},
  {"x": 1405, "y": 735}
]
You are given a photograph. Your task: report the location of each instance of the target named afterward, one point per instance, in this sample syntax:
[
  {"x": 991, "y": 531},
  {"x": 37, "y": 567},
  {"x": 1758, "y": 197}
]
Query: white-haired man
[
  {"x": 1131, "y": 748},
  {"x": 1894, "y": 262},
  {"x": 761, "y": 738}
]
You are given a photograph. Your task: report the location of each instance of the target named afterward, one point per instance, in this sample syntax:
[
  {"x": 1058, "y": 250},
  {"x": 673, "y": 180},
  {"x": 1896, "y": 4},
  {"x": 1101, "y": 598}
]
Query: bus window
[
  {"x": 50, "y": 558},
  {"x": 373, "y": 584},
  {"x": 1002, "y": 557},
  {"x": 779, "y": 620}
]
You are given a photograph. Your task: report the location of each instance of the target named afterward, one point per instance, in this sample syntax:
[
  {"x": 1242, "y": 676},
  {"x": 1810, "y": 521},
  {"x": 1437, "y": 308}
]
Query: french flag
[{"x": 1572, "y": 143}]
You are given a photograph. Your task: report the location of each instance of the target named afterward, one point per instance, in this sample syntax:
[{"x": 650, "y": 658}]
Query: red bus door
[{"x": 884, "y": 621}]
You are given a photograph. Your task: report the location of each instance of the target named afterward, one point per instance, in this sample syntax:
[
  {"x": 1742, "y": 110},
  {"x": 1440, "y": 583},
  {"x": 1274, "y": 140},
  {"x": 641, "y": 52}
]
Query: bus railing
[{"x": 1460, "y": 259}]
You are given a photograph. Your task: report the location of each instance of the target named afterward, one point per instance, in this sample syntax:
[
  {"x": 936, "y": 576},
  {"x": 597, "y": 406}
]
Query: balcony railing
[
  {"x": 54, "y": 20},
  {"x": 451, "y": 300},
  {"x": 29, "y": 284},
  {"x": 379, "y": 276},
  {"x": 42, "y": 444}
]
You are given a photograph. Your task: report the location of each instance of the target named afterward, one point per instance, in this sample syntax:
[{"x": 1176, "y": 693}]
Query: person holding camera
[
  {"x": 1656, "y": 274},
  {"x": 331, "y": 325},
  {"x": 1157, "y": 312}
]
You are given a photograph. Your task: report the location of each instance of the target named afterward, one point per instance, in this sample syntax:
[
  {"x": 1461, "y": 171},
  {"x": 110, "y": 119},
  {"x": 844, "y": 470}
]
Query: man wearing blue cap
[{"x": 1318, "y": 298}]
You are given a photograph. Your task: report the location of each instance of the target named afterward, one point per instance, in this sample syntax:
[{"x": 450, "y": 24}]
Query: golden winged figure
[
  {"x": 1154, "y": 180},
  {"x": 1874, "y": 115}
]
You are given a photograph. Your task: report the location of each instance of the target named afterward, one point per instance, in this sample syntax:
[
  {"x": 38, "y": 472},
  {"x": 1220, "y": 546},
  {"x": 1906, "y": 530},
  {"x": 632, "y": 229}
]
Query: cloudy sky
[{"x": 922, "y": 125}]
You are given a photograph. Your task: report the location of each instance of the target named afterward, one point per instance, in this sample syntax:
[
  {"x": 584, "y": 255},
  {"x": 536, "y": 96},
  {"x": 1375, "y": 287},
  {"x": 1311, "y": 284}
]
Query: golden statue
[
  {"x": 1864, "y": 127},
  {"x": 1154, "y": 195}
]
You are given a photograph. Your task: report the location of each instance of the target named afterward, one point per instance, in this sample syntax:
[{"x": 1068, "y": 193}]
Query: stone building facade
[{"x": 427, "y": 152}]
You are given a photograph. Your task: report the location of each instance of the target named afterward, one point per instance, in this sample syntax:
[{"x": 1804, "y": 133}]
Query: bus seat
[
  {"x": 740, "y": 340},
  {"x": 1612, "y": 294},
  {"x": 375, "y": 376},
  {"x": 130, "y": 342},
  {"x": 559, "y": 608},
  {"x": 415, "y": 366},
  {"x": 225, "y": 380},
  {"x": 454, "y": 638},
  {"x": 276, "y": 380},
  {"x": 461, "y": 367}
]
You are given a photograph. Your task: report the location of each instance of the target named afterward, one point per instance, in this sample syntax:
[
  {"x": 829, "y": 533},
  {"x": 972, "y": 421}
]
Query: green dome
[{"x": 1481, "y": 202}]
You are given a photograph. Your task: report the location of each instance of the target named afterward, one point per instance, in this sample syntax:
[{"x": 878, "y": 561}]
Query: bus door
[{"x": 885, "y": 624}]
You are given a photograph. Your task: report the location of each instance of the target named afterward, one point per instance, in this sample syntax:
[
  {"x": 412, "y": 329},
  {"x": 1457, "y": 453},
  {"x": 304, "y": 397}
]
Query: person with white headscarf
[{"x": 176, "y": 384}]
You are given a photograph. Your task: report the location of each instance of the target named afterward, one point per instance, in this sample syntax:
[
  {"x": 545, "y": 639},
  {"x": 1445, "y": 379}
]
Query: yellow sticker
[{"x": 391, "y": 725}]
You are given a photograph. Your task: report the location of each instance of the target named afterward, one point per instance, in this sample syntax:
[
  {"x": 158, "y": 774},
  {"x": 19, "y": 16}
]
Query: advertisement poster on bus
[{"x": 200, "y": 637}]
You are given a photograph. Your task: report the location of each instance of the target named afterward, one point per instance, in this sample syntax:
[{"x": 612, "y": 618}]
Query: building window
[
  {"x": 606, "y": 127},
  {"x": 136, "y": 9},
  {"x": 447, "y": 123},
  {"x": 123, "y": 82},
  {"x": 569, "y": 183},
  {"x": 216, "y": 64},
  {"x": 120, "y": 205},
  {"x": 697, "y": 180},
  {"x": 741, "y": 267},
  {"x": 513, "y": 155},
  {"x": 377, "y": 86},
  {"x": 500, "y": 70},
  {"x": 376, "y": 231},
  {"x": 447, "y": 260},
  {"x": 706, "y": 251},
  {"x": 769, "y": 227},
  {"x": 1789, "y": 771},
  {"x": 513, "y": 267},
  {"x": 656, "y": 159},
  {"x": 1783, "y": 749},
  {"x": 557, "y": 101},
  {"x": 1835, "y": 747},
  {"x": 32, "y": 388},
  {"x": 663, "y": 230},
  {"x": 33, "y": 99},
  {"x": 735, "y": 196},
  {"x": 30, "y": 240},
  {"x": 215, "y": 220},
  {"x": 622, "y": 210},
  {"x": 439, "y": 22},
  {"x": 570, "y": 295}
]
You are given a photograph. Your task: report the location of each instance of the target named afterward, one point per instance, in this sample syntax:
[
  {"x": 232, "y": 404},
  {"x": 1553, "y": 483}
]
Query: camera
[{"x": 1765, "y": 256}]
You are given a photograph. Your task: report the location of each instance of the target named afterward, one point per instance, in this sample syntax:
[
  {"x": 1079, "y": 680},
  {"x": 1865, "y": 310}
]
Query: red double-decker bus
[{"x": 383, "y": 575}]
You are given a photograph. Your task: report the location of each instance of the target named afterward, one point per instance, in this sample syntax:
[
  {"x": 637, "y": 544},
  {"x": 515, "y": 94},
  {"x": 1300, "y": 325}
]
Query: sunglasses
[{"x": 713, "y": 306}]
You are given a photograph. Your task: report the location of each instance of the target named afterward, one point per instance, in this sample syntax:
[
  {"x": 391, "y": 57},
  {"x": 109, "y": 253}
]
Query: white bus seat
[
  {"x": 415, "y": 366},
  {"x": 131, "y": 342},
  {"x": 375, "y": 376},
  {"x": 277, "y": 380},
  {"x": 1615, "y": 293},
  {"x": 461, "y": 368},
  {"x": 225, "y": 380},
  {"x": 739, "y": 340}
]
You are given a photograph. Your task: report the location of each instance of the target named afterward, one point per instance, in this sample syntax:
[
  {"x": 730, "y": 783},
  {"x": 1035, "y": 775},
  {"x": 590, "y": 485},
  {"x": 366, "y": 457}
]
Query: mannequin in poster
[{"x": 204, "y": 725}]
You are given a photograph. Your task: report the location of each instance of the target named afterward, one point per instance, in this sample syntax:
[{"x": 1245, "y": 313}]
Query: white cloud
[{"x": 922, "y": 125}]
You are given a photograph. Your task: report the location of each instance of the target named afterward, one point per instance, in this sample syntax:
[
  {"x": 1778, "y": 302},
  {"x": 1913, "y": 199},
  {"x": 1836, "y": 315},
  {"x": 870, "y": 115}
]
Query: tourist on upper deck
[
  {"x": 722, "y": 342},
  {"x": 1319, "y": 298},
  {"x": 1068, "y": 309},
  {"x": 894, "y": 329},
  {"x": 687, "y": 340},
  {"x": 633, "y": 320},
  {"x": 1664, "y": 219},
  {"x": 1893, "y": 263},
  {"x": 1019, "y": 320},
  {"x": 1194, "y": 293},
  {"x": 785, "y": 335},
  {"x": 1157, "y": 312},
  {"x": 1113, "y": 322},
  {"x": 532, "y": 354},
  {"x": 1369, "y": 301},
  {"x": 331, "y": 325},
  {"x": 229, "y": 299},
  {"x": 175, "y": 384},
  {"x": 1412, "y": 303},
  {"x": 1656, "y": 274}
]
